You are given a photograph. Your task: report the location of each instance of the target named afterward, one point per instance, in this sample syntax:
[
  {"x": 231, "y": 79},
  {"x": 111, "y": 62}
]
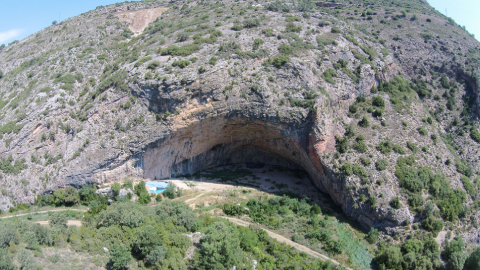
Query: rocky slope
[{"x": 346, "y": 92}]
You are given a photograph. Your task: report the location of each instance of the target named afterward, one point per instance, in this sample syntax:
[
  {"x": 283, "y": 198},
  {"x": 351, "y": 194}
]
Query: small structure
[{"x": 156, "y": 187}]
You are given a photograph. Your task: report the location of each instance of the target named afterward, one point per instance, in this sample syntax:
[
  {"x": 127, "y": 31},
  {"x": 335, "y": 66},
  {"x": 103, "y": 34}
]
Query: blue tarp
[{"x": 161, "y": 186}]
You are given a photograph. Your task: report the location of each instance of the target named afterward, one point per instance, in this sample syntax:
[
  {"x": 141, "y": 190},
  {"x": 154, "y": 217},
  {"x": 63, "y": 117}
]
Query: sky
[
  {"x": 464, "y": 12},
  {"x": 21, "y": 18}
]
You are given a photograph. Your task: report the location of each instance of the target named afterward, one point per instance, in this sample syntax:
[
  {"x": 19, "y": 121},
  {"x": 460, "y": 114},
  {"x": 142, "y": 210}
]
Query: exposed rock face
[{"x": 193, "y": 92}]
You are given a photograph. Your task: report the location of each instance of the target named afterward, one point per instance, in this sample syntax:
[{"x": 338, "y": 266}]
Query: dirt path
[
  {"x": 46, "y": 211},
  {"x": 72, "y": 222},
  {"x": 287, "y": 241},
  {"x": 196, "y": 197}
]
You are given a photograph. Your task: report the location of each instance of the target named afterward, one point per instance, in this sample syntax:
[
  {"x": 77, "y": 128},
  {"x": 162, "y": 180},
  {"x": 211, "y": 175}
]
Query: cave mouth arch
[{"x": 222, "y": 141}]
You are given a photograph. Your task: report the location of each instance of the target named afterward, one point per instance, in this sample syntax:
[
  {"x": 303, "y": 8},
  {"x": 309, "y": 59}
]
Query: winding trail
[
  {"x": 45, "y": 211},
  {"x": 287, "y": 241}
]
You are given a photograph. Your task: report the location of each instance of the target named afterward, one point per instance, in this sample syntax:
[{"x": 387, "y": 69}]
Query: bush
[
  {"x": 432, "y": 225},
  {"x": 328, "y": 75},
  {"x": 469, "y": 187},
  {"x": 381, "y": 164},
  {"x": 185, "y": 50},
  {"x": 475, "y": 135},
  {"x": 395, "y": 203},
  {"x": 385, "y": 147},
  {"x": 169, "y": 192},
  {"x": 142, "y": 61},
  {"x": 291, "y": 27},
  {"x": 221, "y": 241},
  {"x": 422, "y": 131},
  {"x": 280, "y": 60},
  {"x": 26, "y": 260},
  {"x": 372, "y": 236},
  {"x": 323, "y": 41},
  {"x": 364, "y": 122},
  {"x": 180, "y": 63},
  {"x": 153, "y": 65},
  {"x": 233, "y": 209},
  {"x": 412, "y": 147},
  {"x": 341, "y": 144},
  {"x": 452, "y": 206},
  {"x": 6, "y": 262},
  {"x": 119, "y": 257},
  {"x": 378, "y": 101},
  {"x": 473, "y": 261},
  {"x": 250, "y": 23},
  {"x": 336, "y": 30}
]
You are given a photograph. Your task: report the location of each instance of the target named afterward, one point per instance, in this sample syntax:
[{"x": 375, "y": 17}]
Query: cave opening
[{"x": 251, "y": 143}]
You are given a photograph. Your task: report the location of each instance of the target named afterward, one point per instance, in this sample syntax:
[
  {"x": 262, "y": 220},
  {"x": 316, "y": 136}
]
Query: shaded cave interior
[{"x": 220, "y": 141}]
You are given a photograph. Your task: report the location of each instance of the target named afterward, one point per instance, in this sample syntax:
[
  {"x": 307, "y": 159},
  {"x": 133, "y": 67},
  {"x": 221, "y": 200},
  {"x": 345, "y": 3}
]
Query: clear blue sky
[
  {"x": 464, "y": 12},
  {"x": 21, "y": 18}
]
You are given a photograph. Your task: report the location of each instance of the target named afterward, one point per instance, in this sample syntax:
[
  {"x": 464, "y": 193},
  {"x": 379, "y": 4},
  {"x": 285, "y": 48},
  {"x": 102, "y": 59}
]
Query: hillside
[{"x": 377, "y": 101}]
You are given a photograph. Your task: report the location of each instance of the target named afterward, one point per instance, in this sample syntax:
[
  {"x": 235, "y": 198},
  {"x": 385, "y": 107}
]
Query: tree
[
  {"x": 71, "y": 196},
  {"x": 147, "y": 240},
  {"x": 116, "y": 189},
  {"x": 6, "y": 260},
  {"x": 219, "y": 249},
  {"x": 156, "y": 255},
  {"x": 119, "y": 257},
  {"x": 473, "y": 261},
  {"x": 457, "y": 261},
  {"x": 26, "y": 260},
  {"x": 8, "y": 234},
  {"x": 390, "y": 258},
  {"x": 372, "y": 236},
  {"x": 59, "y": 219},
  {"x": 54, "y": 22}
]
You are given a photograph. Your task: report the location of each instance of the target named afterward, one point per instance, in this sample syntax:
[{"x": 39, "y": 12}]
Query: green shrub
[
  {"x": 250, "y": 23},
  {"x": 360, "y": 146},
  {"x": 364, "y": 122},
  {"x": 399, "y": 149},
  {"x": 385, "y": 147},
  {"x": 285, "y": 49},
  {"x": 432, "y": 225},
  {"x": 180, "y": 63},
  {"x": 256, "y": 43},
  {"x": 268, "y": 32},
  {"x": 341, "y": 144},
  {"x": 142, "y": 61},
  {"x": 291, "y": 27},
  {"x": 381, "y": 164},
  {"x": 185, "y": 50},
  {"x": 372, "y": 236},
  {"x": 233, "y": 209},
  {"x": 469, "y": 187},
  {"x": 395, "y": 203},
  {"x": 378, "y": 101},
  {"x": 328, "y": 75},
  {"x": 336, "y": 30},
  {"x": 323, "y": 41},
  {"x": 119, "y": 257},
  {"x": 280, "y": 60},
  {"x": 153, "y": 65},
  {"x": 475, "y": 135},
  {"x": 463, "y": 168},
  {"x": 412, "y": 146},
  {"x": 422, "y": 131},
  {"x": 452, "y": 206}
]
